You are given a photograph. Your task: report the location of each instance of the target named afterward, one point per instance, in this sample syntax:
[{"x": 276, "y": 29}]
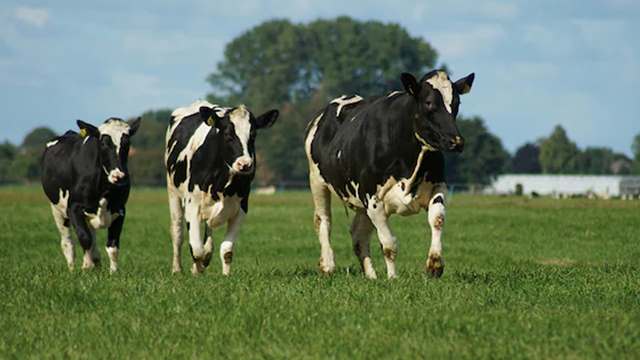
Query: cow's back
[
  {"x": 58, "y": 159},
  {"x": 359, "y": 146}
]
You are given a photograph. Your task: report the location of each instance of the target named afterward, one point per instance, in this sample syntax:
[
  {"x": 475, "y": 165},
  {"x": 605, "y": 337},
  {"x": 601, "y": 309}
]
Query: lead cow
[
  {"x": 85, "y": 177},
  {"x": 210, "y": 161},
  {"x": 382, "y": 156}
]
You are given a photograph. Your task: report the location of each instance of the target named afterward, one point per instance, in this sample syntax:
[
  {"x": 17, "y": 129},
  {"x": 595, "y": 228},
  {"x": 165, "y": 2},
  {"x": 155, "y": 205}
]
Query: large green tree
[
  {"x": 146, "y": 159},
  {"x": 558, "y": 154},
  {"x": 297, "y": 68},
  {"x": 526, "y": 159},
  {"x": 37, "y": 138},
  {"x": 483, "y": 157},
  {"x": 26, "y": 164}
]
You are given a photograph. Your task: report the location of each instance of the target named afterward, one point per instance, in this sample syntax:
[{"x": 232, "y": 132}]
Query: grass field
[{"x": 525, "y": 278}]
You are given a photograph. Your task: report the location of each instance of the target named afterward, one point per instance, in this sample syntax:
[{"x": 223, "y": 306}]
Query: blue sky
[{"x": 537, "y": 63}]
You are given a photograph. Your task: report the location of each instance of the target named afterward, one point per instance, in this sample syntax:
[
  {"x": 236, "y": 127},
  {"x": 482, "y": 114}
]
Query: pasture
[{"x": 537, "y": 278}]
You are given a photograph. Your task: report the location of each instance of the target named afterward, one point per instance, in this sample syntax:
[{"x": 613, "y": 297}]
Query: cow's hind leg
[
  {"x": 322, "y": 222},
  {"x": 86, "y": 236},
  {"x": 177, "y": 217},
  {"x": 66, "y": 242},
  {"x": 435, "y": 261},
  {"x": 361, "y": 229},
  {"x": 388, "y": 242}
]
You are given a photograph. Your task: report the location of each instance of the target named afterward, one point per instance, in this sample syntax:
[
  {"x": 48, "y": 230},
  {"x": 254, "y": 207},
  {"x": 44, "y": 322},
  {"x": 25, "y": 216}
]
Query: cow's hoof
[
  {"x": 435, "y": 266},
  {"x": 207, "y": 259},
  {"x": 176, "y": 269},
  {"x": 326, "y": 267},
  {"x": 197, "y": 268}
]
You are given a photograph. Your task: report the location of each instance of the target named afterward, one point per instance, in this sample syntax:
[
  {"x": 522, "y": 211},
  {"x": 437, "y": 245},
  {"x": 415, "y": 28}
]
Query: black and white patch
[{"x": 85, "y": 176}]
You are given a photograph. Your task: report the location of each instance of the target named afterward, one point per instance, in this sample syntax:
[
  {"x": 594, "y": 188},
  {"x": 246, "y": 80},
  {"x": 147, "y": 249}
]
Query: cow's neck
[
  {"x": 98, "y": 179},
  {"x": 222, "y": 177},
  {"x": 415, "y": 149}
]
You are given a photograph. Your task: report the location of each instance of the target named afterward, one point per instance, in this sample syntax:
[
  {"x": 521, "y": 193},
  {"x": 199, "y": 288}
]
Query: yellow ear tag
[
  {"x": 210, "y": 121},
  {"x": 83, "y": 133}
]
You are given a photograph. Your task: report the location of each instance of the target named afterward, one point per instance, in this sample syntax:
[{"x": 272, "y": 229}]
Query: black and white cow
[
  {"x": 382, "y": 156},
  {"x": 210, "y": 160},
  {"x": 85, "y": 177}
]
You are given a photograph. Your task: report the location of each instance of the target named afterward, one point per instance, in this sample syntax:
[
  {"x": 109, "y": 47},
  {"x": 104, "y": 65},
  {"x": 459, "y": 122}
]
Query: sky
[{"x": 537, "y": 63}]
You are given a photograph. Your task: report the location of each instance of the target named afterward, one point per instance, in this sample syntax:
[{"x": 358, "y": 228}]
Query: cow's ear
[
  {"x": 87, "y": 129},
  {"x": 267, "y": 119},
  {"x": 209, "y": 116},
  {"x": 463, "y": 85},
  {"x": 134, "y": 125},
  {"x": 410, "y": 84}
]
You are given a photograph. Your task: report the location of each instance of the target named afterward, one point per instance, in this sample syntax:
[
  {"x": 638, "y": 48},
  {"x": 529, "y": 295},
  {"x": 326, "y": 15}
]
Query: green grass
[{"x": 524, "y": 278}]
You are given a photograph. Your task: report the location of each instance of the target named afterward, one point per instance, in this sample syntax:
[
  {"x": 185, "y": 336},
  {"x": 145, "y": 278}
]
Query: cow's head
[
  {"x": 113, "y": 139},
  {"x": 237, "y": 133},
  {"x": 438, "y": 100}
]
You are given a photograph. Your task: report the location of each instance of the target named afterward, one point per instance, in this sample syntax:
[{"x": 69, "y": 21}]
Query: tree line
[{"x": 298, "y": 68}]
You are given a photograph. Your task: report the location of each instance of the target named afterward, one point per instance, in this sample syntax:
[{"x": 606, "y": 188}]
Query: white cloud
[
  {"x": 452, "y": 45},
  {"x": 37, "y": 17}
]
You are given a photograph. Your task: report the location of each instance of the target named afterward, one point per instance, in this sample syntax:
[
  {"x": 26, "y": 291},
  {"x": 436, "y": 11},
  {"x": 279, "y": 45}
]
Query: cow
[
  {"x": 85, "y": 177},
  {"x": 210, "y": 163},
  {"x": 381, "y": 156}
]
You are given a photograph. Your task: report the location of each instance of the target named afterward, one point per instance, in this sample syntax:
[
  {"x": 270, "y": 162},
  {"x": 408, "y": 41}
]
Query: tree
[
  {"x": 146, "y": 157},
  {"x": 37, "y": 138},
  {"x": 526, "y": 159},
  {"x": 558, "y": 154},
  {"x": 297, "y": 68},
  {"x": 483, "y": 157},
  {"x": 596, "y": 160},
  {"x": 635, "y": 148},
  {"x": 8, "y": 152},
  {"x": 26, "y": 164}
]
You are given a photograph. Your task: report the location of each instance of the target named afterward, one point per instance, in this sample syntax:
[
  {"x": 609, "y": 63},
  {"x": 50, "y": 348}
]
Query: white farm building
[{"x": 604, "y": 186}]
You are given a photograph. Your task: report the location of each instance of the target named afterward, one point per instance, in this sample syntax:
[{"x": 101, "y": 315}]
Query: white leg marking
[
  {"x": 226, "y": 247},
  {"x": 361, "y": 229},
  {"x": 322, "y": 221},
  {"x": 177, "y": 217},
  {"x": 379, "y": 218},
  {"x": 66, "y": 242},
  {"x": 436, "y": 216},
  {"x": 92, "y": 255},
  {"x": 322, "y": 205},
  {"x": 192, "y": 215},
  {"x": 113, "y": 258}
]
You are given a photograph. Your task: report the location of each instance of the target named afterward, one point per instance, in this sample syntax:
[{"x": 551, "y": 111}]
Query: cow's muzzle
[
  {"x": 116, "y": 176},
  {"x": 456, "y": 144},
  {"x": 242, "y": 165}
]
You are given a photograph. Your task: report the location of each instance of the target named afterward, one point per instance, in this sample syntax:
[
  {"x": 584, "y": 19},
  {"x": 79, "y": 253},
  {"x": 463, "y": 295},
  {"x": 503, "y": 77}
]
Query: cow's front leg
[
  {"x": 388, "y": 242},
  {"x": 208, "y": 245},
  {"x": 85, "y": 235},
  {"x": 113, "y": 240},
  {"x": 226, "y": 247},
  {"x": 192, "y": 215},
  {"x": 435, "y": 261},
  {"x": 177, "y": 216}
]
